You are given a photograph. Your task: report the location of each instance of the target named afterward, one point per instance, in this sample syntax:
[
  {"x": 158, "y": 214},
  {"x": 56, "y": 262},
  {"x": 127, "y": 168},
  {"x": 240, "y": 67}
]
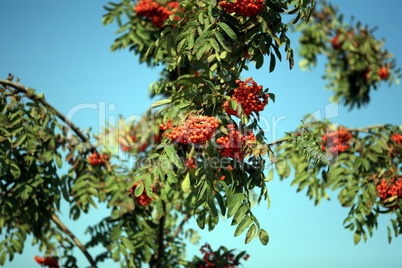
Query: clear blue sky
[{"x": 61, "y": 49}]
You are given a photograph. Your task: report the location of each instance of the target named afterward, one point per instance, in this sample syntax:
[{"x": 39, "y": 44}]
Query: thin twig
[
  {"x": 180, "y": 227},
  {"x": 21, "y": 88},
  {"x": 285, "y": 140},
  {"x": 364, "y": 129},
  {"x": 77, "y": 242}
]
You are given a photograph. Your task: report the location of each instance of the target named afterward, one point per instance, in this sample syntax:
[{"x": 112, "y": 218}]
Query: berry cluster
[
  {"x": 249, "y": 96},
  {"x": 156, "y": 12},
  {"x": 388, "y": 188},
  {"x": 235, "y": 145},
  {"x": 50, "y": 262},
  {"x": 335, "y": 43},
  {"x": 336, "y": 142},
  {"x": 143, "y": 198},
  {"x": 245, "y": 8},
  {"x": 97, "y": 159},
  {"x": 217, "y": 259},
  {"x": 397, "y": 138},
  {"x": 195, "y": 130},
  {"x": 189, "y": 163},
  {"x": 383, "y": 73}
]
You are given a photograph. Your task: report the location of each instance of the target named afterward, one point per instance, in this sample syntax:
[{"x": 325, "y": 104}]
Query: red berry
[
  {"x": 383, "y": 73},
  {"x": 335, "y": 43}
]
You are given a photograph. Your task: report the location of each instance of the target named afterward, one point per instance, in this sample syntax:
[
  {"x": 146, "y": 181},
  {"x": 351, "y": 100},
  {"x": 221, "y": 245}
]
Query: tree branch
[
  {"x": 362, "y": 129},
  {"x": 285, "y": 140},
  {"x": 180, "y": 227},
  {"x": 365, "y": 129},
  {"x": 157, "y": 258},
  {"x": 77, "y": 242},
  {"x": 21, "y": 88}
]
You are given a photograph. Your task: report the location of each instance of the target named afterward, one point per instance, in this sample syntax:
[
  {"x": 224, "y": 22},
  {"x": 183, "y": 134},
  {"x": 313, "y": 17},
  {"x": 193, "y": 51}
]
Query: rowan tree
[{"x": 200, "y": 151}]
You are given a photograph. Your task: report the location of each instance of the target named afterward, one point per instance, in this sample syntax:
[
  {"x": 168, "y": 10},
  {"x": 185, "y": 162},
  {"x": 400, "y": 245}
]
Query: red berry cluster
[
  {"x": 248, "y": 95},
  {"x": 155, "y": 11},
  {"x": 245, "y": 8},
  {"x": 97, "y": 159},
  {"x": 383, "y": 73},
  {"x": 215, "y": 259},
  {"x": 235, "y": 145},
  {"x": 335, "y": 43},
  {"x": 143, "y": 199},
  {"x": 397, "y": 138},
  {"x": 190, "y": 163},
  {"x": 337, "y": 141},
  {"x": 388, "y": 188},
  {"x": 195, "y": 130},
  {"x": 51, "y": 262}
]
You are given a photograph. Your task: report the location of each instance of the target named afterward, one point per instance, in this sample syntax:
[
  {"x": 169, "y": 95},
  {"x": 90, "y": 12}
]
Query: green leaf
[
  {"x": 139, "y": 189},
  {"x": 270, "y": 175},
  {"x": 240, "y": 214},
  {"x": 128, "y": 244},
  {"x": 160, "y": 103},
  {"x": 272, "y": 63},
  {"x": 221, "y": 203},
  {"x": 59, "y": 161},
  {"x": 172, "y": 154},
  {"x": 10, "y": 253},
  {"x": 356, "y": 238},
  {"x": 235, "y": 204},
  {"x": 3, "y": 120},
  {"x": 3, "y": 257},
  {"x": 148, "y": 185},
  {"x": 16, "y": 245},
  {"x": 15, "y": 170},
  {"x": 16, "y": 130},
  {"x": 259, "y": 61},
  {"x": 200, "y": 51},
  {"x": 251, "y": 233},
  {"x": 228, "y": 30},
  {"x": 116, "y": 255},
  {"x": 190, "y": 41},
  {"x": 185, "y": 185},
  {"x": 246, "y": 222},
  {"x": 235, "y": 106},
  {"x": 223, "y": 42},
  {"x": 263, "y": 235},
  {"x": 201, "y": 220},
  {"x": 388, "y": 232},
  {"x": 214, "y": 44}
]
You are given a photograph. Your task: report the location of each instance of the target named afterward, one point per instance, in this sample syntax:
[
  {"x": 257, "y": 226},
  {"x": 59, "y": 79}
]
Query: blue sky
[{"x": 62, "y": 49}]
